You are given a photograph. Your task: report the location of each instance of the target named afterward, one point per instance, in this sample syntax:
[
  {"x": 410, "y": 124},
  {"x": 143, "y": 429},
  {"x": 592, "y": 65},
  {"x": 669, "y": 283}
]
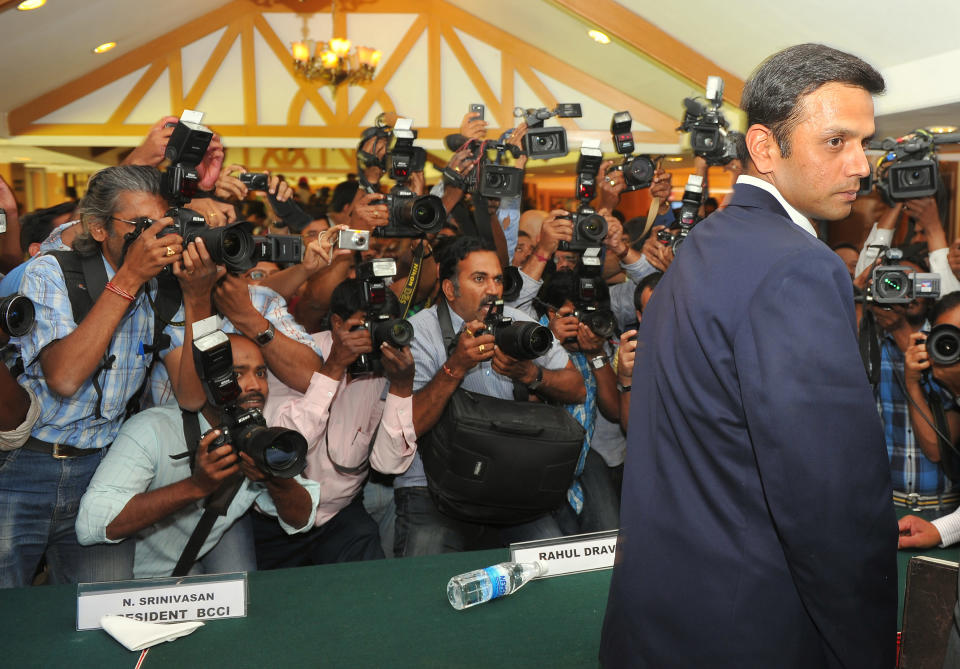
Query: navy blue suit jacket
[{"x": 757, "y": 527}]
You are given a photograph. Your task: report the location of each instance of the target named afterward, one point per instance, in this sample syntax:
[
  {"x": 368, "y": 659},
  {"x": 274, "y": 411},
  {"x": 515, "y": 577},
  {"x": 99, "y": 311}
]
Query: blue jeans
[
  {"x": 423, "y": 530},
  {"x": 234, "y": 551},
  {"x": 378, "y": 501},
  {"x": 39, "y": 499}
]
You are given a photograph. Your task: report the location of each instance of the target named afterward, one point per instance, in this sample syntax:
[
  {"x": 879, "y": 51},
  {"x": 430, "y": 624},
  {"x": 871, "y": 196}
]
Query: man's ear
[
  {"x": 763, "y": 147},
  {"x": 97, "y": 230},
  {"x": 448, "y": 292}
]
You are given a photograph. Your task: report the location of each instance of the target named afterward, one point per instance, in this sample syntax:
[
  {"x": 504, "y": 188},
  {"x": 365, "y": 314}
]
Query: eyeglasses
[
  {"x": 138, "y": 221},
  {"x": 256, "y": 275}
]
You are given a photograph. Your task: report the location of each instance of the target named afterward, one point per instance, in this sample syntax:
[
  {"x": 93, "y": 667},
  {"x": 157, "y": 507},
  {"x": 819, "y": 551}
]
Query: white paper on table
[{"x": 137, "y": 635}]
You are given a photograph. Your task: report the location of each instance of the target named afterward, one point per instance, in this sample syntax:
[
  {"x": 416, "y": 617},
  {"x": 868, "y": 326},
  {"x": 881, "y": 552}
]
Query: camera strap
[
  {"x": 413, "y": 279},
  {"x": 216, "y": 503},
  {"x": 869, "y": 342}
]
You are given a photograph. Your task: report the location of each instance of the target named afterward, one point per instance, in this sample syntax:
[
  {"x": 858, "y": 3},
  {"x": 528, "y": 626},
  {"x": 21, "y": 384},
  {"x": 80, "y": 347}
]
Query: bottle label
[{"x": 498, "y": 579}]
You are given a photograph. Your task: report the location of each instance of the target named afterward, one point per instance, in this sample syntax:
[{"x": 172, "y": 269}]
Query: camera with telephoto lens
[
  {"x": 589, "y": 227},
  {"x": 383, "y": 327},
  {"x": 908, "y": 168},
  {"x": 276, "y": 451},
  {"x": 687, "y": 215},
  {"x": 185, "y": 149},
  {"x": 544, "y": 143},
  {"x": 943, "y": 344},
  {"x": 637, "y": 170},
  {"x": 410, "y": 215},
  {"x": 17, "y": 315},
  {"x": 891, "y": 283},
  {"x": 708, "y": 126},
  {"x": 523, "y": 340}
]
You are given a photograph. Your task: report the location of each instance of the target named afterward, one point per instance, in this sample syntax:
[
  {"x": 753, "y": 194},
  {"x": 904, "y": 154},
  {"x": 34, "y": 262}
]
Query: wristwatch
[
  {"x": 265, "y": 337},
  {"x": 598, "y": 361},
  {"x": 622, "y": 388},
  {"x": 532, "y": 386}
]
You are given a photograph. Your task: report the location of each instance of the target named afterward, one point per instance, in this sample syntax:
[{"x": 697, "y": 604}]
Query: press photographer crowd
[{"x": 209, "y": 369}]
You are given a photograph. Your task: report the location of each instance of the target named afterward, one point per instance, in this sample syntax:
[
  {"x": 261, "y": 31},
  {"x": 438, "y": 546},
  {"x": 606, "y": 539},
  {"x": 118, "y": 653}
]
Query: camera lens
[
  {"x": 638, "y": 172},
  {"x": 396, "y": 331},
  {"x": 914, "y": 178},
  {"x": 592, "y": 228},
  {"x": 231, "y": 246},
  {"x": 16, "y": 315},
  {"x": 891, "y": 284},
  {"x": 275, "y": 450},
  {"x": 524, "y": 340},
  {"x": 943, "y": 344},
  {"x": 425, "y": 213},
  {"x": 600, "y": 321}
]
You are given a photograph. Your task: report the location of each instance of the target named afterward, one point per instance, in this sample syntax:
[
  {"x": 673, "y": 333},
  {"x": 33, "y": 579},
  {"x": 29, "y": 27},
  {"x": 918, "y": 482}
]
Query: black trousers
[{"x": 349, "y": 536}]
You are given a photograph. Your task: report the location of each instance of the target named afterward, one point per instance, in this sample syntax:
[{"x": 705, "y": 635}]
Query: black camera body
[
  {"x": 909, "y": 168},
  {"x": 276, "y": 451},
  {"x": 589, "y": 227},
  {"x": 523, "y": 340},
  {"x": 185, "y": 150},
  {"x": 230, "y": 245},
  {"x": 637, "y": 170},
  {"x": 17, "y": 315},
  {"x": 398, "y": 332},
  {"x": 708, "y": 126},
  {"x": 899, "y": 284},
  {"x": 255, "y": 180},
  {"x": 589, "y": 308},
  {"x": 544, "y": 143},
  {"x": 280, "y": 249},
  {"x": 499, "y": 181},
  {"x": 687, "y": 216}
]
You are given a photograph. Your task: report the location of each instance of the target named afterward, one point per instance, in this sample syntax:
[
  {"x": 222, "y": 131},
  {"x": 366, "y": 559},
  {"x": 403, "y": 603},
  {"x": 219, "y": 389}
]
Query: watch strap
[
  {"x": 532, "y": 386},
  {"x": 265, "y": 337}
]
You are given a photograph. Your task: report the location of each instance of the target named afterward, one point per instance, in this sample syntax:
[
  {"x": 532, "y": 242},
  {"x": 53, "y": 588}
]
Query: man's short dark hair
[
  {"x": 773, "y": 96},
  {"x": 36, "y": 226},
  {"x": 347, "y": 299},
  {"x": 343, "y": 195},
  {"x": 844, "y": 245},
  {"x": 948, "y": 302},
  {"x": 452, "y": 252},
  {"x": 649, "y": 281}
]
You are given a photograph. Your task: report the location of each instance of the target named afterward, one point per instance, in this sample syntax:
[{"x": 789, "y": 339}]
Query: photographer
[
  {"x": 143, "y": 489},
  {"x": 353, "y": 420},
  {"x": 84, "y": 373},
  {"x": 593, "y": 504},
  {"x": 470, "y": 280}
]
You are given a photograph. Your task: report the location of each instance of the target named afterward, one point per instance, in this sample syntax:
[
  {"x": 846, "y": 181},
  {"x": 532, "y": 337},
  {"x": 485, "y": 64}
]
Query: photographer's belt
[
  {"x": 59, "y": 451},
  {"x": 917, "y": 502}
]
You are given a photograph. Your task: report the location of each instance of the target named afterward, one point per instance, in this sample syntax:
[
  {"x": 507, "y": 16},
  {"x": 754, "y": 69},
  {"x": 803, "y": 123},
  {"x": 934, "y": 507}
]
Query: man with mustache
[{"x": 143, "y": 490}]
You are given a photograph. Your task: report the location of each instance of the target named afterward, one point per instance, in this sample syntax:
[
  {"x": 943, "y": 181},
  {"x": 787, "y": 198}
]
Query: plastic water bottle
[{"x": 482, "y": 585}]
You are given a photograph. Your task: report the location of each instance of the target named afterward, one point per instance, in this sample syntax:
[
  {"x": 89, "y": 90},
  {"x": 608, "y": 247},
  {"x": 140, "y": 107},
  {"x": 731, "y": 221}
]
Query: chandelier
[{"x": 334, "y": 62}]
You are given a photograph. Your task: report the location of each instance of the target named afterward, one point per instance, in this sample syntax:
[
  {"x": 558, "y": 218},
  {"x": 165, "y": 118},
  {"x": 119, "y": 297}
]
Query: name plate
[
  {"x": 163, "y": 600},
  {"x": 569, "y": 555}
]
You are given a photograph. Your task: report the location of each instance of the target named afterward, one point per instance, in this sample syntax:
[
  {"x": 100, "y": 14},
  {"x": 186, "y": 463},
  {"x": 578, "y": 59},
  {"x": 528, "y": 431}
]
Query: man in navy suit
[{"x": 756, "y": 523}]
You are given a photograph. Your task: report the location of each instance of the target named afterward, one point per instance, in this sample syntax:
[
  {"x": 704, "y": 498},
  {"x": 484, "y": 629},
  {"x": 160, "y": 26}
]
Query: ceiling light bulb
[
  {"x": 27, "y": 5},
  {"x": 103, "y": 48},
  {"x": 599, "y": 37}
]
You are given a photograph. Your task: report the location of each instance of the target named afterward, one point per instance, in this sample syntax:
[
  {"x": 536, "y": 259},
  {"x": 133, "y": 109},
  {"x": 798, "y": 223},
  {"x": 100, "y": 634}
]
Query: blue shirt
[
  {"x": 910, "y": 469},
  {"x": 429, "y": 356},
  {"x": 72, "y": 420}
]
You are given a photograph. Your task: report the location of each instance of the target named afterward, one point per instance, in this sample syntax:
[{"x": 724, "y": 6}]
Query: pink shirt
[{"x": 338, "y": 420}]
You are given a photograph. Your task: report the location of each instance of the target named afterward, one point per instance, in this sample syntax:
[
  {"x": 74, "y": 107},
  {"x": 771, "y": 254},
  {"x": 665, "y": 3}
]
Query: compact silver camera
[{"x": 355, "y": 240}]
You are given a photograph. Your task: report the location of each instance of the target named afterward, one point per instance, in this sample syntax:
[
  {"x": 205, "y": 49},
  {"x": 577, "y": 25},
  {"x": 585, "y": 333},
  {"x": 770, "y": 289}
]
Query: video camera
[
  {"x": 891, "y": 283},
  {"x": 637, "y": 170},
  {"x": 276, "y": 451},
  {"x": 523, "y": 340},
  {"x": 909, "y": 168},
  {"x": 17, "y": 315},
  {"x": 687, "y": 215},
  {"x": 589, "y": 227},
  {"x": 708, "y": 126},
  {"x": 398, "y": 332},
  {"x": 411, "y": 215},
  {"x": 185, "y": 150},
  {"x": 544, "y": 143}
]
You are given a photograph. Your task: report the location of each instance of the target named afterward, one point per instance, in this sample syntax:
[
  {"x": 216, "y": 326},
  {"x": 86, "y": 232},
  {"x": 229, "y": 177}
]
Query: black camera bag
[{"x": 498, "y": 461}]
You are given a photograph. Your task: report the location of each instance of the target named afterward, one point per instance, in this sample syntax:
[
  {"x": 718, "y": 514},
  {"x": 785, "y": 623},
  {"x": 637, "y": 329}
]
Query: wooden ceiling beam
[{"x": 640, "y": 35}]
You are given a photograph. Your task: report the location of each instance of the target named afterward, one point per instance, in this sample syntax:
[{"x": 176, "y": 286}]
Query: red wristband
[
  {"x": 451, "y": 374},
  {"x": 117, "y": 290},
  {"x": 541, "y": 258}
]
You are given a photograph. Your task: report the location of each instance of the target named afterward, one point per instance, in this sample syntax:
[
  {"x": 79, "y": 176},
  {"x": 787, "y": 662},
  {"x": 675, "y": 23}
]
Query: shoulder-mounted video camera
[
  {"x": 410, "y": 215},
  {"x": 544, "y": 143},
  {"x": 276, "y": 451},
  {"x": 383, "y": 326},
  {"x": 892, "y": 283},
  {"x": 908, "y": 169},
  {"x": 708, "y": 126},
  {"x": 523, "y": 340},
  {"x": 589, "y": 227},
  {"x": 687, "y": 216},
  {"x": 637, "y": 170}
]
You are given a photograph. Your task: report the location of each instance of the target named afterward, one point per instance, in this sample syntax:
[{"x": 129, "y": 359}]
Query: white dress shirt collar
[{"x": 794, "y": 215}]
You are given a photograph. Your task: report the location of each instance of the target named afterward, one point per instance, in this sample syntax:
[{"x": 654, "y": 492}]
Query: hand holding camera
[
  {"x": 147, "y": 255},
  {"x": 471, "y": 350},
  {"x": 625, "y": 356},
  {"x": 473, "y": 126},
  {"x": 916, "y": 359},
  {"x": 151, "y": 151},
  {"x": 657, "y": 254},
  {"x": 230, "y": 187},
  {"x": 556, "y": 228},
  {"x": 212, "y": 467},
  {"x": 524, "y": 371},
  {"x": 369, "y": 211},
  {"x": 196, "y": 271},
  {"x": 350, "y": 340},
  {"x": 398, "y": 366}
]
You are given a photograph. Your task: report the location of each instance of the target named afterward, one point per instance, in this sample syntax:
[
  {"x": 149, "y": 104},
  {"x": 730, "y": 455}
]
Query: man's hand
[
  {"x": 612, "y": 184},
  {"x": 661, "y": 187},
  {"x": 376, "y": 146},
  {"x": 279, "y": 189},
  {"x": 890, "y": 217},
  {"x": 516, "y": 139},
  {"x": 473, "y": 127},
  {"x": 196, "y": 271},
  {"x": 470, "y": 350},
  {"x": 151, "y": 151},
  {"x": 350, "y": 340},
  {"x": 590, "y": 343},
  {"x": 564, "y": 327},
  {"x": 209, "y": 167},
  {"x": 625, "y": 356},
  {"x": 399, "y": 368},
  {"x": 230, "y": 187},
  {"x": 524, "y": 371},
  {"x": 916, "y": 360},
  {"x": 216, "y": 213},
  {"x": 8, "y": 202},
  {"x": 864, "y": 277},
  {"x": 615, "y": 239},
  {"x": 915, "y": 532},
  {"x": 367, "y": 216},
  {"x": 554, "y": 230},
  {"x": 212, "y": 467},
  {"x": 147, "y": 256},
  {"x": 232, "y": 299},
  {"x": 320, "y": 253},
  {"x": 657, "y": 253},
  {"x": 924, "y": 211},
  {"x": 417, "y": 184}
]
